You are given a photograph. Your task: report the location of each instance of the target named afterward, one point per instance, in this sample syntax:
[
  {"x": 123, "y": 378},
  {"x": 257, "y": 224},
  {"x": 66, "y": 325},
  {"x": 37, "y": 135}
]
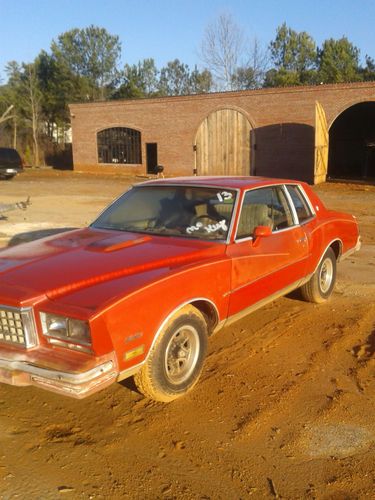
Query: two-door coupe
[{"x": 168, "y": 263}]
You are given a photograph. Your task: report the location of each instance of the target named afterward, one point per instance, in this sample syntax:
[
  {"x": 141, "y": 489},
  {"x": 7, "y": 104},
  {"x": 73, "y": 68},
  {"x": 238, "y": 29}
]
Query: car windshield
[{"x": 191, "y": 212}]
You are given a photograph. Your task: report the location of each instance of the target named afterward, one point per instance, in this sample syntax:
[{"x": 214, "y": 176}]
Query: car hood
[{"x": 59, "y": 265}]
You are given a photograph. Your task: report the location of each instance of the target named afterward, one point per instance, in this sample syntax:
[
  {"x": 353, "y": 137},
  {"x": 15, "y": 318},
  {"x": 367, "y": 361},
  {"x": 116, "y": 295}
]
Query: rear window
[
  {"x": 9, "y": 155},
  {"x": 302, "y": 208}
]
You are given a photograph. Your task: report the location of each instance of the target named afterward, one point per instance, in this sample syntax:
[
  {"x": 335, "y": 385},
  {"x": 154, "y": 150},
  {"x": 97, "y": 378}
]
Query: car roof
[{"x": 230, "y": 182}]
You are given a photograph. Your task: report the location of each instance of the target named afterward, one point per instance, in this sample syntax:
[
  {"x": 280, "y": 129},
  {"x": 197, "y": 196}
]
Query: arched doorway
[
  {"x": 352, "y": 143},
  {"x": 223, "y": 145}
]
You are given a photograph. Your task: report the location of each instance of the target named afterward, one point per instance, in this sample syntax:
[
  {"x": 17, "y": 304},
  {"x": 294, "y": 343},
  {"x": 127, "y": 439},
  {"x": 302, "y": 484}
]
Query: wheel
[
  {"x": 175, "y": 362},
  {"x": 320, "y": 286}
]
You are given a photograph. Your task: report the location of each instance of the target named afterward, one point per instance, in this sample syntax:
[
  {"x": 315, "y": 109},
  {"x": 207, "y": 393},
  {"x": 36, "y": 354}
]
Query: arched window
[{"x": 119, "y": 145}]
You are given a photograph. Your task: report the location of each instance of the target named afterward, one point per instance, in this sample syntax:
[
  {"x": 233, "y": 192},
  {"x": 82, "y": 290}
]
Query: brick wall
[{"x": 282, "y": 123}]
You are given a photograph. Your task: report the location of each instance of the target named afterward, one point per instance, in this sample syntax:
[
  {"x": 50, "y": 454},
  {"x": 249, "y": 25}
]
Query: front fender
[{"x": 135, "y": 321}]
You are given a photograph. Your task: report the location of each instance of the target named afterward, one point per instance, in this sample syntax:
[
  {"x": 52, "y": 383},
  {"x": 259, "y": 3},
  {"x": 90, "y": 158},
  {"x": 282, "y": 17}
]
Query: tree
[
  {"x": 244, "y": 79},
  {"x": 368, "y": 72},
  {"x": 59, "y": 87},
  {"x": 25, "y": 91},
  {"x": 281, "y": 78},
  {"x": 9, "y": 114},
  {"x": 222, "y": 49},
  {"x": 258, "y": 62},
  {"x": 175, "y": 78},
  {"x": 6, "y": 115},
  {"x": 138, "y": 80},
  {"x": 293, "y": 51},
  {"x": 91, "y": 53},
  {"x": 294, "y": 57},
  {"x": 339, "y": 61},
  {"x": 200, "y": 81}
]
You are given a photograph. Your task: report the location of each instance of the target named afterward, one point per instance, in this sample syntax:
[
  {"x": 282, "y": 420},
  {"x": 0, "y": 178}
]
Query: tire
[
  {"x": 175, "y": 362},
  {"x": 320, "y": 286}
]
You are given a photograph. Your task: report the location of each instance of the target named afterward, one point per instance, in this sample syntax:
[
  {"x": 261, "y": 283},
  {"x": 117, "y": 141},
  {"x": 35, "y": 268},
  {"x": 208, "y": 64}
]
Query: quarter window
[
  {"x": 119, "y": 145},
  {"x": 299, "y": 202},
  {"x": 264, "y": 207}
]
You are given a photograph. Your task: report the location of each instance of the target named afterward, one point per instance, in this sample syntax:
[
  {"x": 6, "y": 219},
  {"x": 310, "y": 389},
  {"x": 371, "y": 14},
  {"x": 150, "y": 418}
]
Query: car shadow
[
  {"x": 36, "y": 235},
  {"x": 129, "y": 384},
  {"x": 295, "y": 295}
]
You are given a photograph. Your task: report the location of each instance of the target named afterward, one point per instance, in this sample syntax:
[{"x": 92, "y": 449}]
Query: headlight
[{"x": 67, "y": 329}]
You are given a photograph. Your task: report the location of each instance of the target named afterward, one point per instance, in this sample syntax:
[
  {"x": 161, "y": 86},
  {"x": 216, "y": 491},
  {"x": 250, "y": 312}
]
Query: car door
[{"x": 266, "y": 265}]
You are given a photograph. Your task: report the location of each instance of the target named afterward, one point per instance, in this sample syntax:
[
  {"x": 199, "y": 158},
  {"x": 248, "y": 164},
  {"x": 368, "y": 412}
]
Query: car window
[
  {"x": 13, "y": 155},
  {"x": 4, "y": 155},
  {"x": 191, "y": 212},
  {"x": 264, "y": 207},
  {"x": 299, "y": 202},
  {"x": 8, "y": 155}
]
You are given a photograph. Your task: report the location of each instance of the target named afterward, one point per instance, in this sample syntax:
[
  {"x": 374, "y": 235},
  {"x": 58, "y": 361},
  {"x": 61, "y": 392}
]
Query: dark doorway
[
  {"x": 284, "y": 150},
  {"x": 152, "y": 157},
  {"x": 352, "y": 143}
]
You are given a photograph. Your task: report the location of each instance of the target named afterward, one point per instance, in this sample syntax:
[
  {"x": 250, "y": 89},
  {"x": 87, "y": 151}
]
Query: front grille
[{"x": 17, "y": 326}]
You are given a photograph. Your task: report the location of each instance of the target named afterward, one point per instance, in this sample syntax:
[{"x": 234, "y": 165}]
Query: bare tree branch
[
  {"x": 6, "y": 116},
  {"x": 259, "y": 61},
  {"x": 222, "y": 49}
]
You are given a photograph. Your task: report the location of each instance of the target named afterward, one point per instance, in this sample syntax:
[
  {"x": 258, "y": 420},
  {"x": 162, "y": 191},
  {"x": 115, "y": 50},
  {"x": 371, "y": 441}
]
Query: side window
[
  {"x": 300, "y": 204},
  {"x": 264, "y": 207}
]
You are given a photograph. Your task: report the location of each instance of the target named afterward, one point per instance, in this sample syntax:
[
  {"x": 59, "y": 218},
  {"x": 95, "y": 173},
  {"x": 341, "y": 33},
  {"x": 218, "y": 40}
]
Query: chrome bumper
[{"x": 76, "y": 385}]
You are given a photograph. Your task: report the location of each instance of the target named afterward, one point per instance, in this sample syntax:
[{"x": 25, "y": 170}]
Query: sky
[{"x": 170, "y": 29}]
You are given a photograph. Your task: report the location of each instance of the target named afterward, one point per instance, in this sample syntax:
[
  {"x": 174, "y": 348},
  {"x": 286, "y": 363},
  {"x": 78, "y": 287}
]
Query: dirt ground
[{"x": 284, "y": 409}]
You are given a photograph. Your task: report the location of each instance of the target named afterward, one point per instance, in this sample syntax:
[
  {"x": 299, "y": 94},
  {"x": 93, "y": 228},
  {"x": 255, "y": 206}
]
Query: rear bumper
[{"x": 76, "y": 385}]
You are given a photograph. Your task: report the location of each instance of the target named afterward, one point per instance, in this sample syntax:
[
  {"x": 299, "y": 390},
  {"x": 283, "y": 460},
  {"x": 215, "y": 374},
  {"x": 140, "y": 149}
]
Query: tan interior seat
[{"x": 251, "y": 217}]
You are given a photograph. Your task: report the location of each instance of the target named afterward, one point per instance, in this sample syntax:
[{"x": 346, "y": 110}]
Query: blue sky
[{"x": 169, "y": 29}]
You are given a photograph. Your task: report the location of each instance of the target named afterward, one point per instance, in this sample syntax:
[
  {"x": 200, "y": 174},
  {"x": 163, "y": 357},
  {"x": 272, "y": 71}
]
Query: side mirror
[{"x": 262, "y": 231}]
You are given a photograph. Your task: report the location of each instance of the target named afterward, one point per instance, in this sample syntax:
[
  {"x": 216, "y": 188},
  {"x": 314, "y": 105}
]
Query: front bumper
[{"x": 74, "y": 384}]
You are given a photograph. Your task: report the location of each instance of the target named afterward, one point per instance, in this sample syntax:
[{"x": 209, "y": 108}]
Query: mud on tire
[{"x": 175, "y": 362}]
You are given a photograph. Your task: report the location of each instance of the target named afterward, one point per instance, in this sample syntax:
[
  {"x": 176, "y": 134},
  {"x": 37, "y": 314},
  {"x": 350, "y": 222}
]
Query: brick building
[{"x": 301, "y": 132}]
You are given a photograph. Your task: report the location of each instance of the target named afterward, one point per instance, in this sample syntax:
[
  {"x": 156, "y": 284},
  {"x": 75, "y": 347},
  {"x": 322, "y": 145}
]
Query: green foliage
[
  {"x": 201, "y": 82},
  {"x": 339, "y": 61},
  {"x": 144, "y": 80},
  {"x": 244, "y": 78},
  {"x": 177, "y": 79},
  {"x": 294, "y": 56},
  {"x": 23, "y": 90},
  {"x": 138, "y": 80},
  {"x": 174, "y": 79},
  {"x": 91, "y": 53},
  {"x": 368, "y": 72},
  {"x": 293, "y": 51},
  {"x": 26, "y": 94},
  {"x": 58, "y": 86}
]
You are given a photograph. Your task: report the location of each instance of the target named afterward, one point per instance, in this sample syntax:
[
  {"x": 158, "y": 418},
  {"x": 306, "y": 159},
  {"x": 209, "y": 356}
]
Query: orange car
[{"x": 167, "y": 264}]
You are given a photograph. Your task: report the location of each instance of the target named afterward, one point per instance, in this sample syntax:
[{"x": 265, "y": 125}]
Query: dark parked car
[{"x": 10, "y": 163}]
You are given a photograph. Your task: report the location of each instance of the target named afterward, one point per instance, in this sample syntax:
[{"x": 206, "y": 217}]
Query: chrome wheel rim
[
  {"x": 326, "y": 275},
  {"x": 181, "y": 355}
]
